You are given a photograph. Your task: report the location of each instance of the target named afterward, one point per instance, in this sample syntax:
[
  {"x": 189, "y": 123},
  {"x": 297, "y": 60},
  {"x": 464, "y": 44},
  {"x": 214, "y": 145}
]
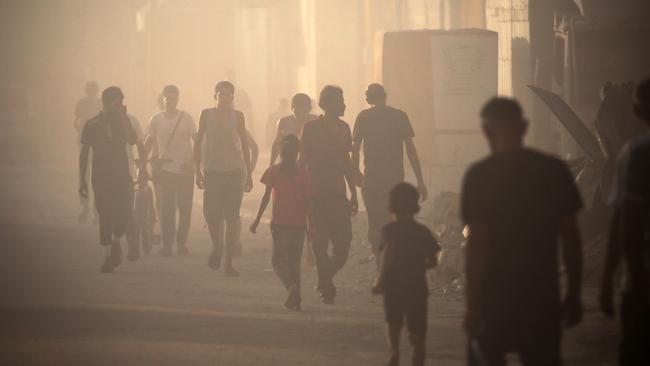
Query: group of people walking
[{"x": 518, "y": 204}]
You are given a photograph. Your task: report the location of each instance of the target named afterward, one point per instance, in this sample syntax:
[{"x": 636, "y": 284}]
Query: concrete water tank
[{"x": 441, "y": 78}]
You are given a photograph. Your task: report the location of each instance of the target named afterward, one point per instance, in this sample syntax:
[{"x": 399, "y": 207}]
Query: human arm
[
  {"x": 83, "y": 170},
  {"x": 412, "y": 154},
  {"x": 141, "y": 162},
  {"x": 354, "y": 200},
  {"x": 147, "y": 145},
  {"x": 200, "y": 180},
  {"x": 352, "y": 182},
  {"x": 572, "y": 254},
  {"x": 263, "y": 204},
  {"x": 305, "y": 151},
  {"x": 357, "y": 141},
  {"x": 352, "y": 175},
  {"x": 150, "y": 140},
  {"x": 275, "y": 147},
  {"x": 254, "y": 149},
  {"x": 241, "y": 131},
  {"x": 387, "y": 257}
]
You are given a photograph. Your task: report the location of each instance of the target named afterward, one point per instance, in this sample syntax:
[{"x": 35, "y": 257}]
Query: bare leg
[
  {"x": 233, "y": 231},
  {"x": 418, "y": 349},
  {"x": 393, "y": 334},
  {"x": 216, "y": 228}
]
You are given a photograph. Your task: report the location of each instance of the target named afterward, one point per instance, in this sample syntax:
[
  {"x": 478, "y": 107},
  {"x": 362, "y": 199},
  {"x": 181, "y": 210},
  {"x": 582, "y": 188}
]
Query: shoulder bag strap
[{"x": 171, "y": 137}]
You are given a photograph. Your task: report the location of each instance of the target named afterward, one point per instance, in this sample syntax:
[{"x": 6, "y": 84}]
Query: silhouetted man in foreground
[
  {"x": 224, "y": 171},
  {"x": 518, "y": 203},
  {"x": 108, "y": 135},
  {"x": 327, "y": 143},
  {"x": 630, "y": 237},
  {"x": 384, "y": 132}
]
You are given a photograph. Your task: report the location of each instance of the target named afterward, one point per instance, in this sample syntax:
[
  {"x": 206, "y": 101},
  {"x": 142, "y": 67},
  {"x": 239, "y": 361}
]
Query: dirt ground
[{"x": 56, "y": 308}]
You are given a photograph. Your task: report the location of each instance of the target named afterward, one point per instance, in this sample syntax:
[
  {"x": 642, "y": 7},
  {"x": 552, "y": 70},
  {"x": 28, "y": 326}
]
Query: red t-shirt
[{"x": 290, "y": 195}]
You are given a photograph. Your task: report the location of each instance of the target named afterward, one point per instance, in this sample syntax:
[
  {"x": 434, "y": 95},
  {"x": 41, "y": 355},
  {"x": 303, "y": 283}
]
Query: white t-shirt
[
  {"x": 137, "y": 128},
  {"x": 179, "y": 150}
]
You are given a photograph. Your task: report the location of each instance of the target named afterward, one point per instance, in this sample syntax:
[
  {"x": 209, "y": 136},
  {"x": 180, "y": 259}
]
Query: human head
[
  {"x": 112, "y": 99},
  {"x": 289, "y": 148},
  {"x": 170, "y": 94},
  {"x": 331, "y": 101},
  {"x": 91, "y": 89},
  {"x": 224, "y": 93},
  {"x": 503, "y": 123},
  {"x": 301, "y": 104},
  {"x": 642, "y": 101},
  {"x": 403, "y": 200},
  {"x": 375, "y": 94}
]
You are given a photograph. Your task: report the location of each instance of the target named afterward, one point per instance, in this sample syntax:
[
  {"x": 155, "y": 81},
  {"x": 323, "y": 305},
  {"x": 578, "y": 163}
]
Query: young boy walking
[
  {"x": 291, "y": 190},
  {"x": 409, "y": 249}
]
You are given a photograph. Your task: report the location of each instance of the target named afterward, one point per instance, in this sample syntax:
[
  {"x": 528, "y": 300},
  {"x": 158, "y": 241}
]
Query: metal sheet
[{"x": 572, "y": 123}]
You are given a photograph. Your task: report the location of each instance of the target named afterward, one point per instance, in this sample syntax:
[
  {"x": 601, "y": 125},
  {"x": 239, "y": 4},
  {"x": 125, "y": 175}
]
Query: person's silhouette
[
  {"x": 630, "y": 238},
  {"x": 326, "y": 146},
  {"x": 408, "y": 250},
  {"x": 108, "y": 134},
  {"x": 384, "y": 132},
  {"x": 517, "y": 203}
]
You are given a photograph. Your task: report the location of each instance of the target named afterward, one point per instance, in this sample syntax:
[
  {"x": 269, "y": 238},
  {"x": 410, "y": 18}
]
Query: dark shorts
[
  {"x": 114, "y": 205},
  {"x": 223, "y": 195},
  {"x": 397, "y": 307}
]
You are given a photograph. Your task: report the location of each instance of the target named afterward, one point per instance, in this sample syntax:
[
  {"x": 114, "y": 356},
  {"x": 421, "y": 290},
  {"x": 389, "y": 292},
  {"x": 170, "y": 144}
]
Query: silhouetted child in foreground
[
  {"x": 291, "y": 190},
  {"x": 409, "y": 249}
]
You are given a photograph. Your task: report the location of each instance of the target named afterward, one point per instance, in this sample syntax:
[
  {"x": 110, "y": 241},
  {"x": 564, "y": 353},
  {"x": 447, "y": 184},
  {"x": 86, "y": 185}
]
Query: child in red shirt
[{"x": 291, "y": 189}]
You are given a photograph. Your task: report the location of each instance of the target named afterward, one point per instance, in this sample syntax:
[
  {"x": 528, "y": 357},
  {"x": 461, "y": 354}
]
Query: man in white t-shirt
[{"x": 173, "y": 132}]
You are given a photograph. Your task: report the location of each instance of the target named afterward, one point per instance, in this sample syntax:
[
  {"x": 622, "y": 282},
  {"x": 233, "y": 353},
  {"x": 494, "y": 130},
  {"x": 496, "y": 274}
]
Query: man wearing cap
[
  {"x": 384, "y": 132},
  {"x": 223, "y": 168}
]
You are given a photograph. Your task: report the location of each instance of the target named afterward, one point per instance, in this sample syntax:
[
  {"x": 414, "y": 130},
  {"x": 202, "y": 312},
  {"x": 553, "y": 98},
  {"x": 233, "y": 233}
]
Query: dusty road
[{"x": 57, "y": 309}]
